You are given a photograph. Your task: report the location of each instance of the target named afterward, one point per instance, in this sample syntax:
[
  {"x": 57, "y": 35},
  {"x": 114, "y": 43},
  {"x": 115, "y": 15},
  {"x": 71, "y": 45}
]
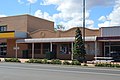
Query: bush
[
  {"x": 85, "y": 64},
  {"x": 107, "y": 65},
  {"x": 117, "y": 65},
  {"x": 34, "y": 61},
  {"x": 75, "y": 62},
  {"x": 30, "y": 61},
  {"x": 56, "y": 61},
  {"x": 44, "y": 61},
  {"x": 12, "y": 60},
  {"x": 66, "y": 63}
]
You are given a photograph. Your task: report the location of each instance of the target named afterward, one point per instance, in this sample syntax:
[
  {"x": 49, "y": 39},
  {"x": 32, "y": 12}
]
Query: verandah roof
[{"x": 62, "y": 39}]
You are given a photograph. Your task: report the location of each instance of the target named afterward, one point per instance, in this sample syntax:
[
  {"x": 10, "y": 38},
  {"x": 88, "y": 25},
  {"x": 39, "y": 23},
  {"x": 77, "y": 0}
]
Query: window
[
  {"x": 3, "y": 28},
  {"x": 64, "y": 49},
  {"x": 3, "y": 49}
]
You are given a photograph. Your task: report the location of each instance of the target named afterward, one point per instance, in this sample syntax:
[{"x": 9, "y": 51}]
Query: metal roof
[{"x": 62, "y": 39}]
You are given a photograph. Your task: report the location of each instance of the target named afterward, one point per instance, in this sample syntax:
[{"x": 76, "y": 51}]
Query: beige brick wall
[
  {"x": 69, "y": 33},
  {"x": 18, "y": 23},
  {"x": 26, "y": 23},
  {"x": 35, "y": 23},
  {"x": 11, "y": 52},
  {"x": 44, "y": 34}
]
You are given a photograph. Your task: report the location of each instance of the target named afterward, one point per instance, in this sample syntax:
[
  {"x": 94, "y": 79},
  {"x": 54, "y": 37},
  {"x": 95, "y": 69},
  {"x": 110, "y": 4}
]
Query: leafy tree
[
  {"x": 79, "y": 48},
  {"x": 60, "y": 27}
]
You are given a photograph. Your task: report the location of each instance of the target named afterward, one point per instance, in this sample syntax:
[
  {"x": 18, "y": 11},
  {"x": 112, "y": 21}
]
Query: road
[{"x": 23, "y": 71}]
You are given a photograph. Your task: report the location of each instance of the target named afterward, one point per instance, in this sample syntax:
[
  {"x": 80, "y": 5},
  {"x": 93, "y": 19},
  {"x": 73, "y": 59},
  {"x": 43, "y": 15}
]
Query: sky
[{"x": 68, "y": 13}]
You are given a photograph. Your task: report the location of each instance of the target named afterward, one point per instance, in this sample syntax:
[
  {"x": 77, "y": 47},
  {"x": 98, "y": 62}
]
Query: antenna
[{"x": 30, "y": 8}]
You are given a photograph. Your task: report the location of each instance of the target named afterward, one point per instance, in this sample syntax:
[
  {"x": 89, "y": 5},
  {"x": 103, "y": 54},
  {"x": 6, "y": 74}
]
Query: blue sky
[{"x": 99, "y": 13}]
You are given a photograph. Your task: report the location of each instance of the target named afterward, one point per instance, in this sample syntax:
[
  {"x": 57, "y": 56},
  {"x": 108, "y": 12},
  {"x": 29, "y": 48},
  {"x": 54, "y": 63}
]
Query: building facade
[{"x": 26, "y": 36}]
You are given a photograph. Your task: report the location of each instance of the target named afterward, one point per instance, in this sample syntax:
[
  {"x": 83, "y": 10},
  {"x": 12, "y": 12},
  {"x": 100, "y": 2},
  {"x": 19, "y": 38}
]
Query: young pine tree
[{"x": 79, "y": 48}]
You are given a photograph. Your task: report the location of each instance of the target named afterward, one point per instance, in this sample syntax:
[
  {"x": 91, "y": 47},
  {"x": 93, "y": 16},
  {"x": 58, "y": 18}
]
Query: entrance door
[
  {"x": 54, "y": 50},
  {"x": 25, "y": 54},
  {"x": 107, "y": 51}
]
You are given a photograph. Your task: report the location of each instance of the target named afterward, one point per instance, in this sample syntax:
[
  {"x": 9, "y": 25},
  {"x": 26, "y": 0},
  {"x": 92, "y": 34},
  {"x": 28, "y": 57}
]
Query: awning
[
  {"x": 45, "y": 40},
  {"x": 112, "y": 38},
  {"x": 12, "y": 34}
]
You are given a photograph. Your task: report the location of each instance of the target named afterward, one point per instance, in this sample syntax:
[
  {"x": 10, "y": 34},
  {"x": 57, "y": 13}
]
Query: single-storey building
[{"x": 26, "y": 36}]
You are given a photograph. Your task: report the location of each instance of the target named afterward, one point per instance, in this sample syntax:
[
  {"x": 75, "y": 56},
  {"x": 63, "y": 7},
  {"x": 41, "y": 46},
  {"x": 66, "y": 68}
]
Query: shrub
[
  {"x": 85, "y": 64},
  {"x": 75, "y": 62},
  {"x": 107, "y": 65},
  {"x": 56, "y": 61},
  {"x": 12, "y": 60},
  {"x": 34, "y": 61},
  {"x": 37, "y": 61},
  {"x": 66, "y": 63},
  {"x": 44, "y": 61},
  {"x": 117, "y": 65},
  {"x": 30, "y": 61}
]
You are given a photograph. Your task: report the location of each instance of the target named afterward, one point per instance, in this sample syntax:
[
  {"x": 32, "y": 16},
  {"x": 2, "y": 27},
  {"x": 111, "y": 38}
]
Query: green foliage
[
  {"x": 107, "y": 65},
  {"x": 66, "y": 63},
  {"x": 34, "y": 61},
  {"x": 56, "y": 61},
  {"x": 44, "y": 61},
  {"x": 85, "y": 64},
  {"x": 12, "y": 60},
  {"x": 75, "y": 62},
  {"x": 79, "y": 48}
]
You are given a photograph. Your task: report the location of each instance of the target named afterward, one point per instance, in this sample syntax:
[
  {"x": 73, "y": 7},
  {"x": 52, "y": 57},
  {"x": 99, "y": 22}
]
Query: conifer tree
[{"x": 79, "y": 48}]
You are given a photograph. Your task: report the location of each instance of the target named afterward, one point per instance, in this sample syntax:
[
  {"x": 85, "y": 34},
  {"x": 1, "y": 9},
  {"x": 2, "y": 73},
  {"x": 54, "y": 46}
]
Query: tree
[
  {"x": 60, "y": 27},
  {"x": 79, "y": 48}
]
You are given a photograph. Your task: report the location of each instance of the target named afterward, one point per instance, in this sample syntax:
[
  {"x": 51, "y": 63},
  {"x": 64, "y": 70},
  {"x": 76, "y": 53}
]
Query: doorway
[{"x": 54, "y": 51}]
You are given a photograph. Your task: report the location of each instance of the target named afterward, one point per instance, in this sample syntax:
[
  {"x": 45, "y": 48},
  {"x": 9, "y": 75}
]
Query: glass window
[
  {"x": 3, "y": 49},
  {"x": 3, "y": 28},
  {"x": 64, "y": 49}
]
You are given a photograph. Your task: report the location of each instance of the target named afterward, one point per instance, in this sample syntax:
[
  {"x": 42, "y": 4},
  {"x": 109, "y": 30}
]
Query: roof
[
  {"x": 27, "y": 15},
  {"x": 46, "y": 40}
]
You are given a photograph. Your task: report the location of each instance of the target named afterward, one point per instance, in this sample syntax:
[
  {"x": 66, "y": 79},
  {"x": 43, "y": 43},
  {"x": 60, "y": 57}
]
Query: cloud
[
  {"x": 32, "y": 1},
  {"x": 113, "y": 18},
  {"x": 27, "y": 2},
  {"x": 43, "y": 15},
  {"x": 70, "y": 12},
  {"x": 2, "y": 15},
  {"x": 94, "y": 3},
  {"x": 89, "y": 3},
  {"x": 20, "y": 1},
  {"x": 102, "y": 18},
  {"x": 105, "y": 24},
  {"x": 49, "y": 2}
]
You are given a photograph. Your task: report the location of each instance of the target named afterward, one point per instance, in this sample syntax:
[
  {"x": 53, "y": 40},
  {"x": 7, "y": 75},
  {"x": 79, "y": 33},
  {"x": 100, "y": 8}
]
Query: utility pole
[{"x": 84, "y": 22}]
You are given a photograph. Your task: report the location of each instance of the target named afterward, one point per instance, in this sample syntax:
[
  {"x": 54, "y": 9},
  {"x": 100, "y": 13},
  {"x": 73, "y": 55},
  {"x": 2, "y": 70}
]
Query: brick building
[{"x": 37, "y": 36}]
